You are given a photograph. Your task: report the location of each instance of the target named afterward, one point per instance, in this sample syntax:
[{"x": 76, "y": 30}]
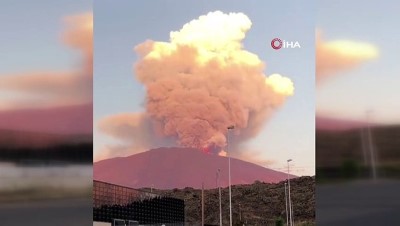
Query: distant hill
[
  {"x": 333, "y": 124},
  {"x": 34, "y": 147},
  {"x": 74, "y": 119},
  {"x": 168, "y": 168},
  {"x": 14, "y": 139}
]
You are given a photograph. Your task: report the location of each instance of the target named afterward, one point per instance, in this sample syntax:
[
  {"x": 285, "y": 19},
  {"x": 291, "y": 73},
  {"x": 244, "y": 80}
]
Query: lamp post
[
  {"x": 287, "y": 216},
  {"x": 229, "y": 169},
  {"x": 371, "y": 146},
  {"x": 202, "y": 204},
  {"x": 220, "y": 202},
  {"x": 184, "y": 211},
  {"x": 240, "y": 213},
  {"x": 290, "y": 202}
]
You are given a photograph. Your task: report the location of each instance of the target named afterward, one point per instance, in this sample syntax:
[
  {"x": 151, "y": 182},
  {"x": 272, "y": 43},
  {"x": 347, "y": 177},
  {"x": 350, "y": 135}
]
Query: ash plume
[
  {"x": 201, "y": 82},
  {"x": 341, "y": 55}
]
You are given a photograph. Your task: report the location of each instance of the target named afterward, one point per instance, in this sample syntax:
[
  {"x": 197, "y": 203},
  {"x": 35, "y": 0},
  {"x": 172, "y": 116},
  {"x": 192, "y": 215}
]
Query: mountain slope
[
  {"x": 75, "y": 119},
  {"x": 334, "y": 124},
  {"x": 21, "y": 139},
  {"x": 166, "y": 168}
]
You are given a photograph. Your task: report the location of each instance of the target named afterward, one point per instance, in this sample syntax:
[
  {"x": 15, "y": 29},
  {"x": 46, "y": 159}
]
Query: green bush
[
  {"x": 350, "y": 169},
  {"x": 279, "y": 222}
]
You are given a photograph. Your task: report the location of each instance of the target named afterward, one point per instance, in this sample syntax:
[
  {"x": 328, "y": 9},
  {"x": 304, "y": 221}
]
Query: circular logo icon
[{"x": 276, "y": 43}]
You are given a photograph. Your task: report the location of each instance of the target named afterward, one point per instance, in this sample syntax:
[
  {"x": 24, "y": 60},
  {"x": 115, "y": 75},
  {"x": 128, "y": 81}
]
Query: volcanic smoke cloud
[
  {"x": 198, "y": 84},
  {"x": 340, "y": 55}
]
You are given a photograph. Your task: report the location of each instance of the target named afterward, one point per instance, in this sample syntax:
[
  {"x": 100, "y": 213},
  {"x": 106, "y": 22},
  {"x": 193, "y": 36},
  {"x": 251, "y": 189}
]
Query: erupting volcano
[{"x": 197, "y": 84}]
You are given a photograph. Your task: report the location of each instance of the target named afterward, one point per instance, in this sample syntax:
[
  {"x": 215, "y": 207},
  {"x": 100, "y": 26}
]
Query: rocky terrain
[
  {"x": 339, "y": 154},
  {"x": 254, "y": 204}
]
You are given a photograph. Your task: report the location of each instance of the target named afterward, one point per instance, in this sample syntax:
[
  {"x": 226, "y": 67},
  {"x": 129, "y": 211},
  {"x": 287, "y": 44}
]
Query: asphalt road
[
  {"x": 72, "y": 212},
  {"x": 358, "y": 203}
]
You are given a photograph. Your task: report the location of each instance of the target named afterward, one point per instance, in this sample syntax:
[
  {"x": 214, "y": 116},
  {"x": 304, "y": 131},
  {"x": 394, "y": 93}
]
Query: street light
[
  {"x": 290, "y": 202},
  {"x": 287, "y": 216},
  {"x": 240, "y": 213},
  {"x": 220, "y": 202},
  {"x": 371, "y": 146},
  {"x": 184, "y": 210},
  {"x": 229, "y": 169},
  {"x": 202, "y": 204}
]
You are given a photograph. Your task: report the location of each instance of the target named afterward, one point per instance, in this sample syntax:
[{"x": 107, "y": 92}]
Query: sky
[
  {"x": 118, "y": 28},
  {"x": 45, "y": 66},
  {"x": 374, "y": 84},
  {"x": 30, "y": 40}
]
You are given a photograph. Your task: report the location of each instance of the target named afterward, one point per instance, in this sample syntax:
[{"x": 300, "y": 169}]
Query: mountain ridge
[
  {"x": 167, "y": 168},
  {"x": 71, "y": 119}
]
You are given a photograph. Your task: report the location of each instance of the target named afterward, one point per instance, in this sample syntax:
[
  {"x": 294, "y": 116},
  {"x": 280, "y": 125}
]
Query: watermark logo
[{"x": 277, "y": 43}]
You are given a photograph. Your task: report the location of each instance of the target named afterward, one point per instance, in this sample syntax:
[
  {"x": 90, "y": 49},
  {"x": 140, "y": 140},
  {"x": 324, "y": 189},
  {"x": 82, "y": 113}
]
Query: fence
[{"x": 112, "y": 201}]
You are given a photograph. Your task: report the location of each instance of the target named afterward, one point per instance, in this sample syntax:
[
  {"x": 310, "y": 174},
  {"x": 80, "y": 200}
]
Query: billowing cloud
[
  {"x": 79, "y": 34},
  {"x": 280, "y": 84},
  {"x": 136, "y": 133},
  {"x": 198, "y": 84},
  {"x": 339, "y": 55},
  {"x": 47, "y": 89},
  {"x": 133, "y": 129},
  {"x": 55, "y": 88}
]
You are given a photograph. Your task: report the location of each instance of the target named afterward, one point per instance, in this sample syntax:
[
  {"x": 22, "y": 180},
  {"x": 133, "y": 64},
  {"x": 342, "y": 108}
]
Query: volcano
[
  {"x": 70, "y": 120},
  {"x": 168, "y": 168}
]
